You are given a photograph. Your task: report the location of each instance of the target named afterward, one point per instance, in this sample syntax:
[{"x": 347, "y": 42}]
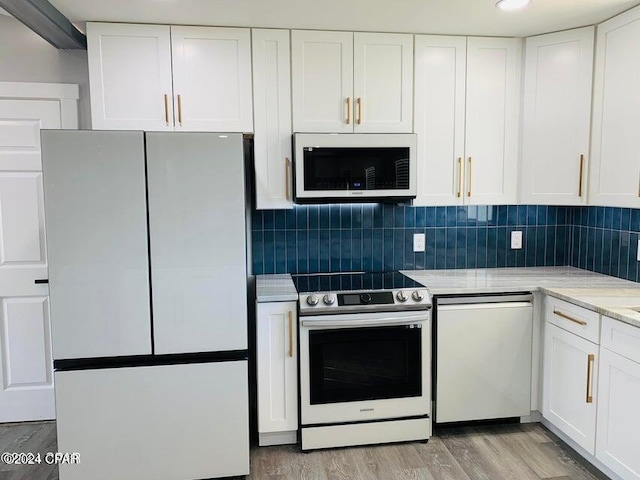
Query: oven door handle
[{"x": 344, "y": 322}]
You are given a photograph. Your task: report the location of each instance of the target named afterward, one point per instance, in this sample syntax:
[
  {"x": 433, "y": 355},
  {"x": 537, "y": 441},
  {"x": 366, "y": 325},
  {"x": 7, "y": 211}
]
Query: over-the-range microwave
[{"x": 354, "y": 167}]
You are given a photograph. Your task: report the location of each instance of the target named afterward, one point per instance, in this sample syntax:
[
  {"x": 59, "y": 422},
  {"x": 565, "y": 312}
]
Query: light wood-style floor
[{"x": 510, "y": 452}]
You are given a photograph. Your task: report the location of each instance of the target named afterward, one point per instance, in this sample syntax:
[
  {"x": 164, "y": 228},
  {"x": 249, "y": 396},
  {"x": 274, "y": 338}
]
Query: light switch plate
[
  {"x": 516, "y": 240},
  {"x": 419, "y": 240}
]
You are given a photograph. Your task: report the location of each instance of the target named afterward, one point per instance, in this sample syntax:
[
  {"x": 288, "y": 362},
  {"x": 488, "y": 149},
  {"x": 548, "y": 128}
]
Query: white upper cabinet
[
  {"x": 557, "y": 114},
  {"x": 614, "y": 177},
  {"x": 439, "y": 118},
  {"x": 130, "y": 76},
  {"x": 212, "y": 78},
  {"x": 466, "y": 118},
  {"x": 491, "y": 132},
  {"x": 272, "y": 111},
  {"x": 383, "y": 82},
  {"x": 344, "y": 82},
  {"x": 322, "y": 81},
  {"x": 155, "y": 77}
]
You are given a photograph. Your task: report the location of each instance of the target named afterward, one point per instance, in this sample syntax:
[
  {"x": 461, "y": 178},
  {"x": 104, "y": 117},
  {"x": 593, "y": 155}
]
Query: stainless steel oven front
[{"x": 365, "y": 367}]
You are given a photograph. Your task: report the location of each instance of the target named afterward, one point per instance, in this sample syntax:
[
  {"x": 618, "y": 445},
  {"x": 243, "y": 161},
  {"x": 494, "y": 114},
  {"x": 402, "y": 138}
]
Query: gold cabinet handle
[
  {"x": 180, "y": 110},
  {"x": 359, "y": 110},
  {"x": 348, "y": 110},
  {"x": 287, "y": 165},
  {"x": 574, "y": 320},
  {"x": 290, "y": 334},
  {"x": 459, "y": 176},
  {"x": 580, "y": 175},
  {"x": 469, "y": 191},
  {"x": 591, "y": 358},
  {"x": 166, "y": 109}
]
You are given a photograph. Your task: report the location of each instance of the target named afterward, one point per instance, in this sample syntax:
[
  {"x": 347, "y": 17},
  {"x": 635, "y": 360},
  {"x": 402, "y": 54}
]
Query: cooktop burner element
[{"x": 359, "y": 292}]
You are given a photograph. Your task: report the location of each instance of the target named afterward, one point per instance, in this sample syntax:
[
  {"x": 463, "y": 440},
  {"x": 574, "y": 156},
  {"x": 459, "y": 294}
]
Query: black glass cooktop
[{"x": 353, "y": 281}]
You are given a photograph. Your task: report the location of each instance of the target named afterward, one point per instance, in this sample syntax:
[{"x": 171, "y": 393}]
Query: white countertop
[{"x": 606, "y": 295}]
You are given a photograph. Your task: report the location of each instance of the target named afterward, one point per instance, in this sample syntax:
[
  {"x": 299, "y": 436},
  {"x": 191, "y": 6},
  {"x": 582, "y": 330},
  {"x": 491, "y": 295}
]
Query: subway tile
[
  {"x": 345, "y": 216},
  {"x": 430, "y": 249},
  {"x": 398, "y": 249},
  {"x": 292, "y": 251},
  {"x": 552, "y": 215},
  {"x": 529, "y": 244},
  {"x": 441, "y": 248},
  {"x": 257, "y": 253},
  {"x": 481, "y": 248},
  {"x": 345, "y": 250},
  {"x": 502, "y": 215},
  {"x": 409, "y": 217},
  {"x": 451, "y": 216},
  {"x": 325, "y": 250},
  {"x": 269, "y": 252},
  {"x": 430, "y": 215},
  {"x": 325, "y": 212},
  {"x": 314, "y": 249},
  {"x": 377, "y": 261},
  {"x": 461, "y": 247},
  {"x": 492, "y": 245},
  {"x": 302, "y": 249},
  {"x": 256, "y": 220},
  {"x": 450, "y": 252},
  {"x": 356, "y": 249},
  {"x": 334, "y": 217},
  {"x": 543, "y": 211},
  {"x": 313, "y": 217},
  {"x": 409, "y": 254},
  {"x": 269, "y": 219},
  {"x": 522, "y": 215},
  {"x": 421, "y": 217},
  {"x": 398, "y": 216},
  {"x": 615, "y": 254},
  {"x": 501, "y": 247},
  {"x": 378, "y": 216},
  {"x": 387, "y": 243},
  {"x": 388, "y": 214},
  {"x": 356, "y": 216},
  {"x": 541, "y": 243},
  {"x": 512, "y": 215},
  {"x": 280, "y": 244},
  {"x": 623, "y": 254},
  {"x": 600, "y": 214},
  {"x": 367, "y": 249},
  {"x": 472, "y": 247},
  {"x": 617, "y": 219},
  {"x": 632, "y": 269},
  {"x": 367, "y": 216},
  {"x": 441, "y": 217},
  {"x": 635, "y": 220},
  {"x": 606, "y": 251},
  {"x": 625, "y": 219}
]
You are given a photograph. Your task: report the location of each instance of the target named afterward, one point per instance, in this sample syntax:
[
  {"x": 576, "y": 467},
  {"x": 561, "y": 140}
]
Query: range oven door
[{"x": 360, "y": 367}]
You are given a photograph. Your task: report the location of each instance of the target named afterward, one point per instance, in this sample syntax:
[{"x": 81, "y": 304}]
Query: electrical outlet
[
  {"x": 639, "y": 249},
  {"x": 516, "y": 240},
  {"x": 419, "y": 240}
]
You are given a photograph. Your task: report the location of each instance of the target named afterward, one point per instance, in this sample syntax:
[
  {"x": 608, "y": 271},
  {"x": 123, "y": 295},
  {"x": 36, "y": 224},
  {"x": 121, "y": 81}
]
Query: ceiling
[{"x": 462, "y": 17}]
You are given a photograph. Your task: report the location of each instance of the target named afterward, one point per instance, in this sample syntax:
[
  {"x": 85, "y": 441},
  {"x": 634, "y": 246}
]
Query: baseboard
[
  {"x": 534, "y": 417},
  {"x": 277, "y": 438}
]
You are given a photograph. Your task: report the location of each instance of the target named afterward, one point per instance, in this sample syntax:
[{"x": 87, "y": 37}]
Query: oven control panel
[{"x": 358, "y": 301}]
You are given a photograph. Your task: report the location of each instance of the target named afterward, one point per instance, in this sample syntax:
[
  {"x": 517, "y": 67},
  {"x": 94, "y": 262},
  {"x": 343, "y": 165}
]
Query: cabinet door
[
  {"x": 212, "y": 79},
  {"x": 322, "y": 81},
  {"x": 277, "y": 369},
  {"x": 439, "y": 118},
  {"x": 130, "y": 76},
  {"x": 272, "y": 109},
  {"x": 383, "y": 82},
  {"x": 493, "y": 66},
  {"x": 618, "y": 414},
  {"x": 615, "y": 167},
  {"x": 569, "y": 379},
  {"x": 557, "y": 113}
]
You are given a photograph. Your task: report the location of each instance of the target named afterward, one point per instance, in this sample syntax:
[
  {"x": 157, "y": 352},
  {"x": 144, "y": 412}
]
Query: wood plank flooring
[{"x": 509, "y": 452}]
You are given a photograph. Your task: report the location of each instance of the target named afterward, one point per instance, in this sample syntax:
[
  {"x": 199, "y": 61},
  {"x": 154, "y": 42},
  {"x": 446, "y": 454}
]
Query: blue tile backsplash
[
  {"x": 605, "y": 240},
  {"x": 377, "y": 237}
]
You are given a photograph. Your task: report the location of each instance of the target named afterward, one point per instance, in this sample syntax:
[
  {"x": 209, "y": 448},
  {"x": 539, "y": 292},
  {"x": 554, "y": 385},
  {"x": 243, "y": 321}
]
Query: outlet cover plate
[
  {"x": 516, "y": 240},
  {"x": 419, "y": 241}
]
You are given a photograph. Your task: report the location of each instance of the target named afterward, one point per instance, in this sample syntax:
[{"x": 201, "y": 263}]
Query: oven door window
[{"x": 355, "y": 364}]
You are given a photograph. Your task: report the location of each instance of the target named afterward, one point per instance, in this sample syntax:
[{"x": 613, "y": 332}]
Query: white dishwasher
[{"x": 483, "y": 357}]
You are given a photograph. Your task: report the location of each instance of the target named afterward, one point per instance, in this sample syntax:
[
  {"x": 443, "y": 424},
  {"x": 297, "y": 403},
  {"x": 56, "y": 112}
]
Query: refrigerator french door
[{"x": 147, "y": 273}]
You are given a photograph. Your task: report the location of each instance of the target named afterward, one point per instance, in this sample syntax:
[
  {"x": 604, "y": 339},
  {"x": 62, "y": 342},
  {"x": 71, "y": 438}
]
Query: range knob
[
  {"x": 402, "y": 296},
  {"x": 417, "y": 295},
  {"x": 328, "y": 299},
  {"x": 312, "y": 300},
  {"x": 365, "y": 298}
]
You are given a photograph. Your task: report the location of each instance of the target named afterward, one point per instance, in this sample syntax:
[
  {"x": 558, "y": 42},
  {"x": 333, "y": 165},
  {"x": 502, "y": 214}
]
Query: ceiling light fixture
[{"x": 512, "y": 4}]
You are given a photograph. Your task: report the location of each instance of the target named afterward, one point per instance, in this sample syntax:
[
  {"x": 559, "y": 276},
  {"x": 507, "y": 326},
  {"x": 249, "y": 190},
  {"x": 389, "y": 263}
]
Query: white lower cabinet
[
  {"x": 277, "y": 355},
  {"x": 618, "y": 391},
  {"x": 569, "y": 393}
]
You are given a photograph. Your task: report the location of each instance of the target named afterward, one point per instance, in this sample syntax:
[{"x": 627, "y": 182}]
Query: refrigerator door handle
[{"x": 41, "y": 280}]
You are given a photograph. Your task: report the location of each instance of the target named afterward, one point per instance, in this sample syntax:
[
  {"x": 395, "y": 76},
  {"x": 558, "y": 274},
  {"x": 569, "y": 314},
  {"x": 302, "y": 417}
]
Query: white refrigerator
[{"x": 146, "y": 245}]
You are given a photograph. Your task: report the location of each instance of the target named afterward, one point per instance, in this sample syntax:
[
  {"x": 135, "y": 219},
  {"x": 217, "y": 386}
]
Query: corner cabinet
[
  {"x": 158, "y": 78},
  {"x": 466, "y": 118},
  {"x": 347, "y": 82},
  {"x": 570, "y": 371},
  {"x": 615, "y": 167},
  {"x": 272, "y": 118},
  {"x": 556, "y": 118},
  {"x": 277, "y": 358}
]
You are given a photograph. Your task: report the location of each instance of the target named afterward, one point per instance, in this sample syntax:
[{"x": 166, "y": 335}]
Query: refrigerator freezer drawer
[{"x": 171, "y": 422}]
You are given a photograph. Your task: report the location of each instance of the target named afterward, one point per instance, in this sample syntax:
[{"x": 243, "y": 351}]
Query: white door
[
  {"x": 383, "y": 82},
  {"x": 615, "y": 172},
  {"x": 277, "y": 357},
  {"x": 130, "y": 76},
  {"x": 322, "y": 81},
  {"x": 557, "y": 114},
  {"x": 493, "y": 71},
  {"x": 439, "y": 118},
  {"x": 212, "y": 79},
  {"x": 26, "y": 368},
  {"x": 618, "y": 415},
  {"x": 570, "y": 372},
  {"x": 272, "y": 110}
]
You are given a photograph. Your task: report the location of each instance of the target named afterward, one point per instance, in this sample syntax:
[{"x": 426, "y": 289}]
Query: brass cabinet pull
[
  {"x": 574, "y": 320},
  {"x": 290, "y": 334},
  {"x": 348, "y": 110},
  {"x": 590, "y": 361},
  {"x": 180, "y": 110},
  {"x": 166, "y": 109},
  {"x": 287, "y": 165},
  {"x": 580, "y": 175},
  {"x": 459, "y": 176},
  {"x": 469, "y": 191},
  {"x": 359, "y": 110}
]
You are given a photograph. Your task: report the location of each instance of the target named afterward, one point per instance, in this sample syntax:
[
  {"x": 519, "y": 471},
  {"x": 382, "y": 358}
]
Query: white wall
[{"x": 26, "y": 57}]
